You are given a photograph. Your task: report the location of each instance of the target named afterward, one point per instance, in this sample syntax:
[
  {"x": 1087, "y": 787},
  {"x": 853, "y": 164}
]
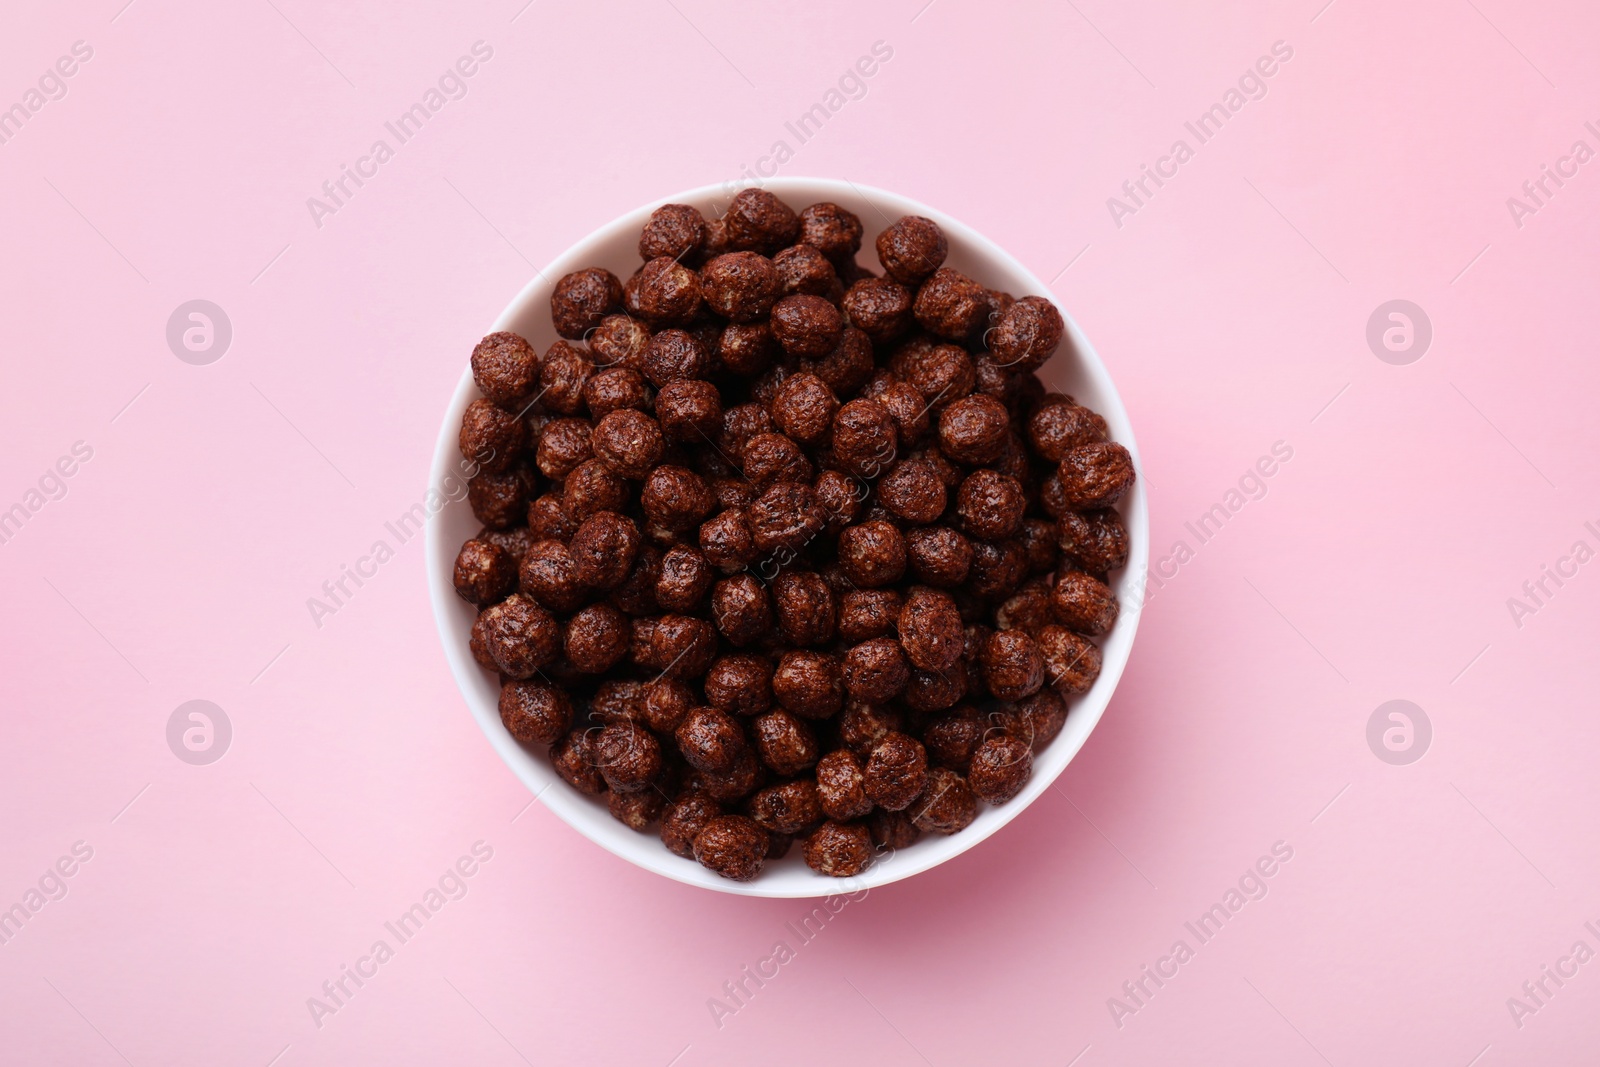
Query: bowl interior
[{"x": 1075, "y": 369}]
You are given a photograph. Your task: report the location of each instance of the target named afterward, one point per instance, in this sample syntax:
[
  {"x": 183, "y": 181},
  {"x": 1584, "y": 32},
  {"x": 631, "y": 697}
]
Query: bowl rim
[{"x": 574, "y": 808}]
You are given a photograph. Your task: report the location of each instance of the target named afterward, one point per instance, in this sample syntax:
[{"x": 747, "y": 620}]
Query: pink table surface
[{"x": 1231, "y": 303}]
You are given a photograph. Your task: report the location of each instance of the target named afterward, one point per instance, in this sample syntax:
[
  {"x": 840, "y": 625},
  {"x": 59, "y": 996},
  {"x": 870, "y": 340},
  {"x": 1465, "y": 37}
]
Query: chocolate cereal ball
[
  {"x": 841, "y": 786},
  {"x": 873, "y": 554},
  {"x": 484, "y": 573},
  {"x": 904, "y": 404},
  {"x": 742, "y": 609},
  {"x": 807, "y": 326},
  {"x": 1027, "y": 333},
  {"x": 832, "y": 230},
  {"x": 868, "y": 613},
  {"x": 913, "y": 491},
  {"x": 740, "y": 684},
  {"x": 689, "y": 411},
  {"x": 638, "y": 810},
  {"x": 604, "y": 548},
  {"x": 549, "y": 574},
  {"x": 989, "y": 505},
  {"x": 505, "y": 368},
  {"x": 938, "y": 556},
  {"x": 733, "y": 846},
  {"x": 774, "y": 457},
  {"x": 673, "y": 356},
  {"x": 896, "y": 772},
  {"x": 628, "y": 756},
  {"x": 911, "y": 249},
  {"x": 864, "y": 437},
  {"x": 973, "y": 430},
  {"x": 594, "y": 485},
  {"x": 1083, "y": 603},
  {"x": 664, "y": 293},
  {"x": 685, "y": 579},
  {"x": 740, "y": 286},
  {"x": 1027, "y": 610},
  {"x": 676, "y": 231},
  {"x": 840, "y": 497},
  {"x": 1057, "y": 428},
  {"x": 804, "y": 608},
  {"x": 727, "y": 540},
  {"x": 520, "y": 635},
  {"x": 803, "y": 269},
  {"x": 515, "y": 542},
  {"x": 1096, "y": 540},
  {"x": 951, "y": 305},
  {"x": 953, "y": 737},
  {"x": 785, "y": 518},
  {"x": 946, "y": 805},
  {"x": 1041, "y": 717},
  {"x": 596, "y": 639},
  {"x": 636, "y": 596},
  {"x": 839, "y": 850},
  {"x": 892, "y": 830},
  {"x": 785, "y": 742},
  {"x": 998, "y": 568},
  {"x": 675, "y": 498},
  {"x": 581, "y": 299},
  {"x": 566, "y": 369},
  {"x": 943, "y": 374},
  {"x": 757, "y": 221},
  {"x": 880, "y": 308},
  {"x": 875, "y": 671},
  {"x": 1013, "y": 667},
  {"x": 491, "y": 437},
  {"x": 710, "y": 740},
  {"x": 862, "y": 726},
  {"x": 683, "y": 820},
  {"x": 682, "y": 646},
  {"x": 535, "y": 713},
  {"x": 809, "y": 684},
  {"x": 747, "y": 347},
  {"x": 1071, "y": 662},
  {"x": 629, "y": 442},
  {"x": 574, "y": 760},
  {"x": 1095, "y": 475},
  {"x": 618, "y": 700},
  {"x": 564, "y": 444},
  {"x": 1001, "y": 766},
  {"x": 930, "y": 629},
  {"x": 665, "y": 703},
  {"x": 615, "y": 389},
  {"x": 847, "y": 367},
  {"x": 745, "y": 777},
  {"x": 619, "y": 341},
  {"x": 804, "y": 407},
  {"x": 790, "y": 808}
]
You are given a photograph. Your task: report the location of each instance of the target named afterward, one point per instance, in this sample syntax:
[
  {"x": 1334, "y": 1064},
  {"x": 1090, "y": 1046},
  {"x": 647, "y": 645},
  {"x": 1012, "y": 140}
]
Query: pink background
[{"x": 1232, "y": 311}]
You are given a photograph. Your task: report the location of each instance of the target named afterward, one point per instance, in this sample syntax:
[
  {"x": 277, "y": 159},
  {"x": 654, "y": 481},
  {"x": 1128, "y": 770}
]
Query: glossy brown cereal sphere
[
  {"x": 861, "y": 726},
  {"x": 951, "y": 305},
  {"x": 685, "y": 579},
  {"x": 673, "y": 356},
  {"x": 581, "y": 299},
  {"x": 989, "y": 505},
  {"x": 809, "y": 684},
  {"x": 628, "y": 756},
  {"x": 832, "y": 230},
  {"x": 841, "y": 497},
  {"x": 865, "y": 438},
  {"x": 841, "y": 786},
  {"x": 789, "y": 808},
  {"x": 491, "y": 437},
  {"x": 1096, "y": 540},
  {"x": 636, "y": 811},
  {"x": 665, "y": 703},
  {"x": 664, "y": 293},
  {"x": 1013, "y": 667},
  {"x": 774, "y": 457},
  {"x": 803, "y": 269},
  {"x": 549, "y": 574},
  {"x": 683, "y": 820},
  {"x": 535, "y": 713},
  {"x": 873, "y": 554},
  {"x": 675, "y": 498},
  {"x": 1040, "y": 542},
  {"x": 740, "y": 684},
  {"x": 930, "y": 691},
  {"x": 875, "y": 671},
  {"x": 804, "y": 407},
  {"x": 914, "y": 491},
  {"x": 629, "y": 442},
  {"x": 839, "y": 850},
  {"x": 1028, "y": 609},
  {"x": 594, "y": 485},
  {"x": 847, "y": 366},
  {"x": 911, "y": 249},
  {"x": 973, "y": 429},
  {"x": 563, "y": 445},
  {"x": 1057, "y": 428},
  {"x": 615, "y": 389},
  {"x": 676, "y": 231},
  {"x": 689, "y": 411},
  {"x": 596, "y": 639},
  {"x": 785, "y": 742},
  {"x": 604, "y": 548},
  {"x": 904, "y": 404},
  {"x": 1083, "y": 603},
  {"x": 742, "y": 609},
  {"x": 952, "y": 737},
  {"x": 618, "y": 700},
  {"x": 1001, "y": 766},
  {"x": 514, "y": 542},
  {"x": 804, "y": 608},
  {"x": 806, "y": 325},
  {"x": 938, "y": 555},
  {"x": 740, "y": 286},
  {"x": 930, "y": 629},
  {"x": 727, "y": 540},
  {"x": 998, "y": 569},
  {"x": 892, "y": 830},
  {"x": 1028, "y": 333},
  {"x": 757, "y": 221},
  {"x": 574, "y": 760},
  {"x": 505, "y": 368},
  {"x": 1095, "y": 475},
  {"x": 733, "y": 846},
  {"x": 946, "y": 805},
  {"x": 868, "y": 613},
  {"x": 943, "y": 374},
  {"x": 564, "y": 372},
  {"x": 1041, "y": 717},
  {"x": 785, "y": 518},
  {"x": 636, "y": 595},
  {"x": 520, "y": 635},
  {"x": 880, "y": 308},
  {"x": 896, "y": 771},
  {"x": 682, "y": 646},
  {"x": 744, "y": 778},
  {"x": 619, "y": 341},
  {"x": 484, "y": 573},
  {"x": 710, "y": 740},
  {"x": 1071, "y": 662}
]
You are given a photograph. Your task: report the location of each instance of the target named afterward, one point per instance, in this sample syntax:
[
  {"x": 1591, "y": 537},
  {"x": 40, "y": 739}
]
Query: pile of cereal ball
[{"x": 777, "y": 549}]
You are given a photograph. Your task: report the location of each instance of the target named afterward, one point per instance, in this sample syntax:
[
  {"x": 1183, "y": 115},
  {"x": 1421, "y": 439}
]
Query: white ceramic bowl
[{"x": 1074, "y": 369}]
